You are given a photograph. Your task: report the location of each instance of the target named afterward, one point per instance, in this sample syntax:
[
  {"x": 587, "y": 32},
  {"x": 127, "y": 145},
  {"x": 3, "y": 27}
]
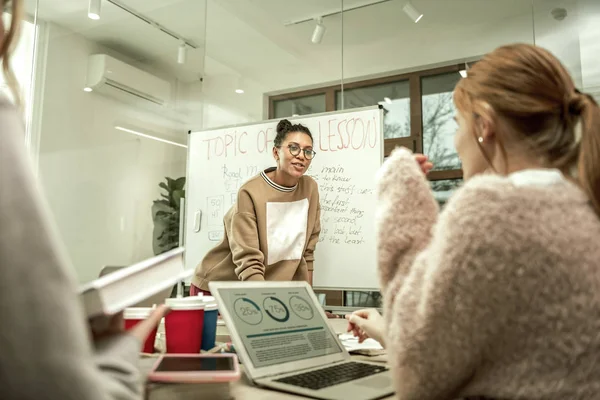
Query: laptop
[{"x": 282, "y": 336}]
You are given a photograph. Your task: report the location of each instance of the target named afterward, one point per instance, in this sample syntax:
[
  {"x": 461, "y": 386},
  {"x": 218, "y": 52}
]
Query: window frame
[{"x": 415, "y": 140}]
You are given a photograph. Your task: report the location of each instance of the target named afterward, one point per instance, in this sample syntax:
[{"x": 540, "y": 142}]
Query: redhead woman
[{"x": 497, "y": 296}]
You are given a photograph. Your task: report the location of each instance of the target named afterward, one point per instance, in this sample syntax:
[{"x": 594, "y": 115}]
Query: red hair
[{"x": 532, "y": 91}]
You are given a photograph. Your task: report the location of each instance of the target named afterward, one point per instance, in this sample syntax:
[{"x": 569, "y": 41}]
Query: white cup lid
[
  {"x": 185, "y": 303},
  {"x": 137, "y": 312},
  {"x": 210, "y": 303}
]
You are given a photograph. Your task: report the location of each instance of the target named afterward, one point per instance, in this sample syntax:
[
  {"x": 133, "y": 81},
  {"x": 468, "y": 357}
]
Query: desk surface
[{"x": 244, "y": 389}]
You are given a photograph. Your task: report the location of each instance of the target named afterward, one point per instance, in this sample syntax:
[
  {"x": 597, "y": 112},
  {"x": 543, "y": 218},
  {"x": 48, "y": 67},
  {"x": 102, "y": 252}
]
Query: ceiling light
[
  {"x": 319, "y": 31},
  {"x": 412, "y": 12},
  {"x": 182, "y": 54},
  {"x": 239, "y": 85},
  {"x": 94, "y": 9},
  {"x": 558, "y": 13},
  {"x": 120, "y": 128},
  {"x": 87, "y": 89},
  {"x": 387, "y": 100}
]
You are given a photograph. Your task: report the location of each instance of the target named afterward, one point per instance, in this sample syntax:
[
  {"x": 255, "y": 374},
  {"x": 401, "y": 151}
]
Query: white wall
[
  {"x": 589, "y": 37},
  {"x": 223, "y": 106},
  {"x": 100, "y": 182},
  {"x": 560, "y": 37}
]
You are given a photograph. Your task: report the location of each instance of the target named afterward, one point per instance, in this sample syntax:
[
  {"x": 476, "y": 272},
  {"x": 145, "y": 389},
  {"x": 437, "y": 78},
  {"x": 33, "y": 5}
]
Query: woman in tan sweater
[
  {"x": 273, "y": 228},
  {"x": 497, "y": 296}
]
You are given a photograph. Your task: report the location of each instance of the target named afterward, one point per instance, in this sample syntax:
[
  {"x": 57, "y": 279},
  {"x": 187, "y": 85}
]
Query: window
[
  {"x": 311, "y": 104},
  {"x": 444, "y": 188},
  {"x": 363, "y": 299},
  {"x": 439, "y": 126},
  {"x": 395, "y": 99}
]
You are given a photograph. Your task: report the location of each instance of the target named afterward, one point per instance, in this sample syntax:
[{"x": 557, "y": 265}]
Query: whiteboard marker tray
[{"x": 113, "y": 293}]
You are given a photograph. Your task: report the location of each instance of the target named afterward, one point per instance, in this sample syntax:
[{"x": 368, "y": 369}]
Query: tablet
[{"x": 195, "y": 368}]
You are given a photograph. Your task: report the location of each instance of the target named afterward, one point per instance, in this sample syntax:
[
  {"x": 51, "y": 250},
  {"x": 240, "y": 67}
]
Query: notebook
[{"x": 129, "y": 286}]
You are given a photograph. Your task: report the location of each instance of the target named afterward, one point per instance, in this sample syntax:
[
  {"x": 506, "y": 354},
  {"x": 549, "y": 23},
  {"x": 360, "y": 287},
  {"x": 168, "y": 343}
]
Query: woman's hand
[
  {"x": 424, "y": 163},
  {"x": 103, "y": 327},
  {"x": 367, "y": 323}
]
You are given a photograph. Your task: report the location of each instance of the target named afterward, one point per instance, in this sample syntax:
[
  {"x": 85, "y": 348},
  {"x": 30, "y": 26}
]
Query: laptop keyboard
[{"x": 334, "y": 375}]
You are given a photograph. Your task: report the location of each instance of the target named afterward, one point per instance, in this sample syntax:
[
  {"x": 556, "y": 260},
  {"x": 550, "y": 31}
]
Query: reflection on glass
[
  {"x": 299, "y": 106},
  {"x": 439, "y": 126},
  {"x": 443, "y": 189},
  {"x": 104, "y": 215},
  {"x": 394, "y": 97}
]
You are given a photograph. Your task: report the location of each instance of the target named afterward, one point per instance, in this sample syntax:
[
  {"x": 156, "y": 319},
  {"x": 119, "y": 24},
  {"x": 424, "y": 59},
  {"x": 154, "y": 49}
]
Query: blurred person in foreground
[{"x": 48, "y": 350}]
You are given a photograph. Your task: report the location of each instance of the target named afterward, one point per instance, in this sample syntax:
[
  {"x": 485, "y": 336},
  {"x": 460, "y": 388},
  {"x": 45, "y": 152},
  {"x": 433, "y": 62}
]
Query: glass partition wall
[
  {"x": 411, "y": 68},
  {"x": 117, "y": 88},
  {"x": 230, "y": 62}
]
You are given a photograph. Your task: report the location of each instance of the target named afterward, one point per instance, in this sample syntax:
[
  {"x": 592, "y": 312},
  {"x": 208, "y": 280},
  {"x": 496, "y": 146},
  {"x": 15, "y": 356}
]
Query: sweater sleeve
[
  {"x": 406, "y": 211},
  {"x": 244, "y": 242},
  {"x": 46, "y": 348},
  {"x": 443, "y": 313},
  {"x": 309, "y": 253}
]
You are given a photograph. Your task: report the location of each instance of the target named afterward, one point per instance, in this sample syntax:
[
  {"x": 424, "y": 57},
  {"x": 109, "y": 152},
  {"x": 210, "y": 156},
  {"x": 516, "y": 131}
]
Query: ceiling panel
[{"x": 249, "y": 37}]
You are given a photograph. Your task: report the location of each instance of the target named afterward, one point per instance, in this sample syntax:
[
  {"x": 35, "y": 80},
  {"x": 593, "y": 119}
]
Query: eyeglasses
[{"x": 295, "y": 150}]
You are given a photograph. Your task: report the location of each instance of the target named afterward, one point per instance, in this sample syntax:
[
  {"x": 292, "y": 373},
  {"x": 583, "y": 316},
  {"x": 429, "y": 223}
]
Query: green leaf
[
  {"x": 179, "y": 183},
  {"x": 170, "y": 183},
  {"x": 177, "y": 196},
  {"x": 166, "y": 215},
  {"x": 162, "y": 207}
]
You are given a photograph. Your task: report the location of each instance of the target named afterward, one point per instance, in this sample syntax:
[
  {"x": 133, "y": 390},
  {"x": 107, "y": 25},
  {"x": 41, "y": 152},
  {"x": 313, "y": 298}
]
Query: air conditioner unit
[{"x": 107, "y": 74}]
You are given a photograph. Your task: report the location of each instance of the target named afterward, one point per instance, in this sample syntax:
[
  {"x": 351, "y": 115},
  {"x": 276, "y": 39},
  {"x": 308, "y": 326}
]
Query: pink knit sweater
[{"x": 497, "y": 296}]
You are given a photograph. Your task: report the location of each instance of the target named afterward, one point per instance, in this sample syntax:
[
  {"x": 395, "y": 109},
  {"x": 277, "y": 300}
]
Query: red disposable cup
[
  {"x": 134, "y": 316},
  {"x": 184, "y": 324}
]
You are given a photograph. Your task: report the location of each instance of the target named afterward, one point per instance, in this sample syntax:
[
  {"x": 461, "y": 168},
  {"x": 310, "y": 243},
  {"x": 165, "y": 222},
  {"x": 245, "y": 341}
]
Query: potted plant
[{"x": 166, "y": 214}]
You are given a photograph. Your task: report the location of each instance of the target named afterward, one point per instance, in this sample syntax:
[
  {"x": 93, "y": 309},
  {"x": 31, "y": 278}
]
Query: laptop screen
[{"x": 278, "y": 325}]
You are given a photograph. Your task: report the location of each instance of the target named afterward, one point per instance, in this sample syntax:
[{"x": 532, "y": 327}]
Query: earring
[{"x": 480, "y": 140}]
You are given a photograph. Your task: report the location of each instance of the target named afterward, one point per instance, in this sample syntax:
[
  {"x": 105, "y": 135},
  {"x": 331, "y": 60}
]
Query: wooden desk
[{"x": 243, "y": 389}]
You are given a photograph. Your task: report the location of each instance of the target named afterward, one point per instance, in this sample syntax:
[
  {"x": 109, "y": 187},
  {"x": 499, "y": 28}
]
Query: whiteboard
[{"x": 349, "y": 146}]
